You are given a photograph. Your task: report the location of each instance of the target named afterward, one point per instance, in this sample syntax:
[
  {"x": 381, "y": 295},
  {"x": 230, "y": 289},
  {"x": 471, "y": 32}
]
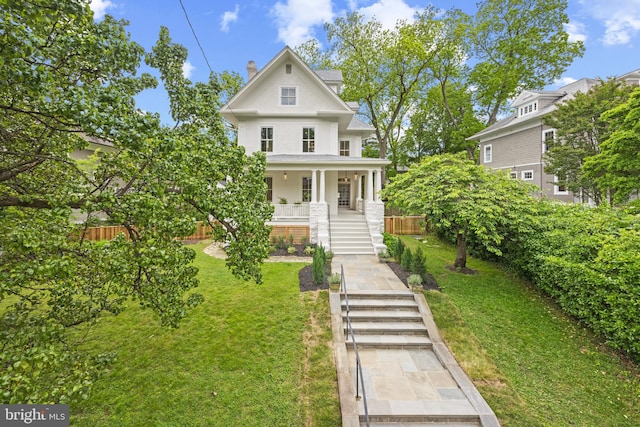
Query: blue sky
[{"x": 233, "y": 32}]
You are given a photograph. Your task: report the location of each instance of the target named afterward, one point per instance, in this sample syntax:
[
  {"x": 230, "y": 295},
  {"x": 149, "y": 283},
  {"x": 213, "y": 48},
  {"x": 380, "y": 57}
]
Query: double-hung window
[
  {"x": 306, "y": 188},
  {"x": 308, "y": 140},
  {"x": 266, "y": 139},
  {"x": 548, "y": 137},
  {"x": 344, "y": 148},
  {"x": 488, "y": 153},
  {"x": 288, "y": 96}
]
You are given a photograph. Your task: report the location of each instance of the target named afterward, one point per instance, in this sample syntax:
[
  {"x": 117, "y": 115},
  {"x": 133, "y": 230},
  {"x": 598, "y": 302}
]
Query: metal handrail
[{"x": 343, "y": 288}]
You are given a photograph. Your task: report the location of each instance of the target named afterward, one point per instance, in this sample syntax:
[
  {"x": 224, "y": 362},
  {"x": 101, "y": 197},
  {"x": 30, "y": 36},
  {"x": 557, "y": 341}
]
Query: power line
[{"x": 195, "y": 36}]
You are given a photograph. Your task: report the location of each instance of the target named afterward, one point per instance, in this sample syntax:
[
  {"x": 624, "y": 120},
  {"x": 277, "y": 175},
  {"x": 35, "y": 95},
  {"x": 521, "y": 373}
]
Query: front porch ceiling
[{"x": 328, "y": 162}]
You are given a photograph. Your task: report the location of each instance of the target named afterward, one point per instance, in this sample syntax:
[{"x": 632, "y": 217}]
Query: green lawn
[
  {"x": 534, "y": 365},
  {"x": 249, "y": 355}
]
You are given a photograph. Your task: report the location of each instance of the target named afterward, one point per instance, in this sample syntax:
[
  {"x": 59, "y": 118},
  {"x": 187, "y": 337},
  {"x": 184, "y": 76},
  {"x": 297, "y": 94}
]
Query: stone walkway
[{"x": 410, "y": 377}]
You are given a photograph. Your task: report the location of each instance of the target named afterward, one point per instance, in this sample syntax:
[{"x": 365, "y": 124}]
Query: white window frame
[
  {"x": 307, "y": 191},
  {"x": 282, "y": 97},
  {"x": 523, "y": 175},
  {"x": 545, "y": 147},
  {"x": 489, "y": 158},
  {"x": 513, "y": 175},
  {"x": 311, "y": 142},
  {"x": 345, "y": 148},
  {"x": 269, "y": 183},
  {"x": 266, "y": 140},
  {"x": 556, "y": 188},
  {"x": 532, "y": 107}
]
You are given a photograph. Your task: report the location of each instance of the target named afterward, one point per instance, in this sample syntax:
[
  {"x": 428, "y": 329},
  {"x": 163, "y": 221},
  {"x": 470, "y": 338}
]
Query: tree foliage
[
  {"x": 66, "y": 82},
  {"x": 616, "y": 168},
  {"x": 456, "y": 194},
  {"x": 518, "y": 44},
  {"x": 580, "y": 130}
]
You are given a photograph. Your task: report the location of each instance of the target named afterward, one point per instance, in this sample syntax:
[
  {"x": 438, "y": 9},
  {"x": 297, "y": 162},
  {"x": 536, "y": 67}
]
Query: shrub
[
  {"x": 328, "y": 255},
  {"x": 309, "y": 250},
  {"x": 335, "y": 278},
  {"x": 399, "y": 250},
  {"x": 406, "y": 259},
  {"x": 418, "y": 264},
  {"x": 291, "y": 250},
  {"x": 414, "y": 280},
  {"x": 318, "y": 265},
  {"x": 391, "y": 242},
  {"x": 291, "y": 239}
]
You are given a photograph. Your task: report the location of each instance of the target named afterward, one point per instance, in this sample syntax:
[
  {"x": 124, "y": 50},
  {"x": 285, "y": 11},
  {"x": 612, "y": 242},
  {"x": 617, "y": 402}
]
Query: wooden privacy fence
[
  {"x": 109, "y": 232},
  {"x": 404, "y": 224}
]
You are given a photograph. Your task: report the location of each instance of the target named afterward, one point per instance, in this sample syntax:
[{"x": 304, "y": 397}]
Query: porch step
[
  {"x": 389, "y": 328},
  {"x": 390, "y": 341},
  {"x": 350, "y": 235}
]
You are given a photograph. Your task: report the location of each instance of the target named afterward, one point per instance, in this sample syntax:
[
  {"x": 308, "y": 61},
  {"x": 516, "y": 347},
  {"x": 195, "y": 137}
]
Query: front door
[{"x": 344, "y": 192}]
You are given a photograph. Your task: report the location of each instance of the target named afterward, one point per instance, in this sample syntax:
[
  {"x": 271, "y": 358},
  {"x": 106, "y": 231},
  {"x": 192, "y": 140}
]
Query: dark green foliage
[
  {"x": 319, "y": 259},
  {"x": 418, "y": 264},
  {"x": 399, "y": 250},
  {"x": 406, "y": 259},
  {"x": 391, "y": 242}
]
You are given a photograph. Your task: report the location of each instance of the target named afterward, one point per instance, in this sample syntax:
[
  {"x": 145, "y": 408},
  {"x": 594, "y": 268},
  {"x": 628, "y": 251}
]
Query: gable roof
[{"x": 343, "y": 110}]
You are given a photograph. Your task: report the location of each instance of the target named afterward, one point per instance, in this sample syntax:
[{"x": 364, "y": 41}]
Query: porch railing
[{"x": 290, "y": 210}]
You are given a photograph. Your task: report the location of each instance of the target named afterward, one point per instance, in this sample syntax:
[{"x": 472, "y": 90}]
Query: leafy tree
[
  {"x": 468, "y": 199},
  {"x": 617, "y": 167},
  {"x": 517, "y": 44},
  {"x": 383, "y": 69},
  {"x": 67, "y": 80},
  {"x": 580, "y": 130}
]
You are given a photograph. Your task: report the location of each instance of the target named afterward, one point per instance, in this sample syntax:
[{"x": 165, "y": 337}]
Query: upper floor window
[
  {"x": 266, "y": 139},
  {"x": 308, "y": 140},
  {"x": 488, "y": 154},
  {"x": 548, "y": 137},
  {"x": 513, "y": 175},
  {"x": 559, "y": 186},
  {"x": 288, "y": 96},
  {"x": 287, "y": 68},
  {"x": 529, "y": 108},
  {"x": 269, "y": 181},
  {"x": 344, "y": 148}
]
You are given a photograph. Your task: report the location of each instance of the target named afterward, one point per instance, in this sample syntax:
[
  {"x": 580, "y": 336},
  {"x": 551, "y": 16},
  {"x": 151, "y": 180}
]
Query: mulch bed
[
  {"x": 305, "y": 276},
  {"x": 284, "y": 252},
  {"x": 431, "y": 284}
]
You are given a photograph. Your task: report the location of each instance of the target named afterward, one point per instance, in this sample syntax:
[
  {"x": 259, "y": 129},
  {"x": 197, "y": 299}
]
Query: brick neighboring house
[
  {"x": 315, "y": 173},
  {"x": 517, "y": 143}
]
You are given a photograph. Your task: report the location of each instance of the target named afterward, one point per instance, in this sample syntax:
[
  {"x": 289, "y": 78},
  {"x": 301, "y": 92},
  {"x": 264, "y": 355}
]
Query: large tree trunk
[{"x": 461, "y": 251}]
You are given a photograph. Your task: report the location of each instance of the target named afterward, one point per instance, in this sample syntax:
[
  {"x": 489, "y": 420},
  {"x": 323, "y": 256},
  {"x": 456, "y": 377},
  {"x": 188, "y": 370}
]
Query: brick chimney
[{"x": 252, "y": 70}]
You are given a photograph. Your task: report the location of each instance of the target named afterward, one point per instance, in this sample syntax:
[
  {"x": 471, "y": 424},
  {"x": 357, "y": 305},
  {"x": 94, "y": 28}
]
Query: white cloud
[
  {"x": 228, "y": 17},
  {"x": 296, "y": 19},
  {"x": 187, "y": 69},
  {"x": 388, "y": 12},
  {"x": 576, "y": 31},
  {"x": 563, "y": 81},
  {"x": 99, "y": 7},
  {"x": 621, "y": 19}
]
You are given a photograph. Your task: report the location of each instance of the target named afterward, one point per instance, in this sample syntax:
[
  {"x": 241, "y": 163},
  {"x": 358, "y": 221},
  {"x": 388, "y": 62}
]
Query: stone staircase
[
  {"x": 350, "y": 235},
  {"x": 405, "y": 380}
]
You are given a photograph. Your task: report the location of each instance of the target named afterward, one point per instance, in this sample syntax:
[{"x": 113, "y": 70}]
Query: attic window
[
  {"x": 530, "y": 108},
  {"x": 287, "y": 68}
]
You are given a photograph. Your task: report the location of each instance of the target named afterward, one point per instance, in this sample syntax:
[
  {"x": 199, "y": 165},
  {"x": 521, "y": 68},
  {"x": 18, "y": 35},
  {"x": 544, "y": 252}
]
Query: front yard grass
[
  {"x": 249, "y": 355},
  {"x": 534, "y": 365}
]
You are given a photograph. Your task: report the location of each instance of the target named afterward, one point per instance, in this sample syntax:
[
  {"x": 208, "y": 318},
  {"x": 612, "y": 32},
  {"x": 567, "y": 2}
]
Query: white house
[{"x": 316, "y": 175}]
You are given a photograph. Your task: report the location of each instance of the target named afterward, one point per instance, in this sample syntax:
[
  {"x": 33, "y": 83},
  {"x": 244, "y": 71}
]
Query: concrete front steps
[
  {"x": 350, "y": 235},
  {"x": 405, "y": 381}
]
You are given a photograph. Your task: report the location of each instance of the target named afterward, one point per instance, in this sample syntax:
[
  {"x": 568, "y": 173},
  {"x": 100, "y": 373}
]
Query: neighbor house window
[
  {"x": 287, "y": 96},
  {"x": 266, "y": 139},
  {"x": 269, "y": 181},
  {"x": 530, "y": 108},
  {"x": 488, "y": 156},
  {"x": 308, "y": 140},
  {"x": 344, "y": 148},
  {"x": 548, "y": 136},
  {"x": 527, "y": 175},
  {"x": 514, "y": 175},
  {"x": 306, "y": 188},
  {"x": 559, "y": 189}
]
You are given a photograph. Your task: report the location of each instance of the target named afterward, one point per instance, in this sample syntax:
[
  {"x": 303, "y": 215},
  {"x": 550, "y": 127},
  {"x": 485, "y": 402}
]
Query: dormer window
[
  {"x": 528, "y": 109},
  {"x": 288, "y": 96}
]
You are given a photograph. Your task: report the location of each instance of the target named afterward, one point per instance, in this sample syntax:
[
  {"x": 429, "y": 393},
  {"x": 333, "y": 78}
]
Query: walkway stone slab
[{"x": 411, "y": 378}]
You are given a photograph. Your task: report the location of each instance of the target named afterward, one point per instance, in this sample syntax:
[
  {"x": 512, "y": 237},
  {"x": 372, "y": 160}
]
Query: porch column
[
  {"x": 359, "y": 187},
  {"x": 370, "y": 186},
  {"x": 322, "y": 186},
  {"x": 314, "y": 183},
  {"x": 378, "y": 184}
]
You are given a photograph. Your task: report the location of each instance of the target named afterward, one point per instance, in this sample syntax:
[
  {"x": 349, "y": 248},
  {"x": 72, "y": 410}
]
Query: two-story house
[
  {"x": 518, "y": 142},
  {"x": 315, "y": 173}
]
